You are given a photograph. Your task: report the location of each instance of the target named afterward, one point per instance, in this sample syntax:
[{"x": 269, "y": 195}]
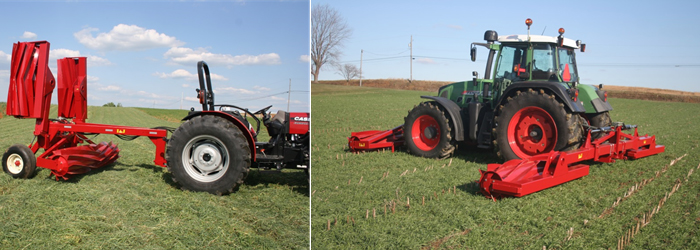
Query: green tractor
[{"x": 532, "y": 104}]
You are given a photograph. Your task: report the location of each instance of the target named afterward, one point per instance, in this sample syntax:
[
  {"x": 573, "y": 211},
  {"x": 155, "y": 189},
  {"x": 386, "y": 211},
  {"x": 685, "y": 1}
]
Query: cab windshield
[
  {"x": 543, "y": 62},
  {"x": 567, "y": 65},
  {"x": 512, "y": 62},
  {"x": 549, "y": 63}
]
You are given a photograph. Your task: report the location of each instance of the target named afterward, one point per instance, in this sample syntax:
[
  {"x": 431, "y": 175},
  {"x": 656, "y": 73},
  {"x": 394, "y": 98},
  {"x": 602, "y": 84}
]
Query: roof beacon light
[
  {"x": 528, "y": 22},
  {"x": 561, "y": 37}
]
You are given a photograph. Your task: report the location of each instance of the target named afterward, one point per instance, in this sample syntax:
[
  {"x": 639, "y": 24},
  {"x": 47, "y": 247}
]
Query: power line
[
  {"x": 638, "y": 65},
  {"x": 375, "y": 59},
  {"x": 387, "y": 54},
  {"x": 446, "y": 58}
]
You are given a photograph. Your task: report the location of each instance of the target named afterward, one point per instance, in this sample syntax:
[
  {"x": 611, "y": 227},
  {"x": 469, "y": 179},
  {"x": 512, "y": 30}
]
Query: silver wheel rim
[
  {"x": 205, "y": 158},
  {"x": 15, "y": 164}
]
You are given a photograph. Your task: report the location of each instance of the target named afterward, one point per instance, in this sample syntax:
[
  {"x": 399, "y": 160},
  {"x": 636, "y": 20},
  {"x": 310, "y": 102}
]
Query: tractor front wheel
[
  {"x": 427, "y": 132},
  {"x": 209, "y": 154},
  {"x": 19, "y": 162},
  {"x": 533, "y": 123}
]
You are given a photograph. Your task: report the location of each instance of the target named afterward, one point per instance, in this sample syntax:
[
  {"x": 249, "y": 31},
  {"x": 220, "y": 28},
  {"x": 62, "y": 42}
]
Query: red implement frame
[
  {"x": 29, "y": 96},
  {"x": 522, "y": 177},
  {"x": 376, "y": 139}
]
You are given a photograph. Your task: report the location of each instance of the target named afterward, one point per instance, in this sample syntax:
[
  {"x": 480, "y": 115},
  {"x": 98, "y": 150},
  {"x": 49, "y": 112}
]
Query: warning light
[
  {"x": 528, "y": 22},
  {"x": 561, "y": 31}
]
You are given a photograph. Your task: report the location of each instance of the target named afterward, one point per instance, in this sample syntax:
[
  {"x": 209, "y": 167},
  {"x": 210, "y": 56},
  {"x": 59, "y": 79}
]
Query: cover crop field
[
  {"x": 396, "y": 200},
  {"x": 133, "y": 204}
]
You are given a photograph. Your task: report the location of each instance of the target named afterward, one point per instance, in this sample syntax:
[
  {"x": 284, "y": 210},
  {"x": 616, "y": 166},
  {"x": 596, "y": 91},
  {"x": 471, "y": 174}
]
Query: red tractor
[{"x": 211, "y": 151}]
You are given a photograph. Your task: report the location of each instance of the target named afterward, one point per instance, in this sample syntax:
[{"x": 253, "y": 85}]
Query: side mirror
[{"x": 472, "y": 53}]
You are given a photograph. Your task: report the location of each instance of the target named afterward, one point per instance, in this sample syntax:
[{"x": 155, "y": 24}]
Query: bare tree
[
  {"x": 328, "y": 32},
  {"x": 348, "y": 71}
]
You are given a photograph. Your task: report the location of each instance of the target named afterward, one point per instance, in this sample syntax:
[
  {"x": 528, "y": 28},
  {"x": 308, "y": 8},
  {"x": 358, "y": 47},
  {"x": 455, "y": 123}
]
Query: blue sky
[
  {"x": 629, "y": 43},
  {"x": 145, "y": 53}
]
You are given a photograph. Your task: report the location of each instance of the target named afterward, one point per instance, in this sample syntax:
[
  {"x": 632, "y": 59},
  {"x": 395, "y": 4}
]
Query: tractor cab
[
  {"x": 520, "y": 58},
  {"x": 540, "y": 59}
]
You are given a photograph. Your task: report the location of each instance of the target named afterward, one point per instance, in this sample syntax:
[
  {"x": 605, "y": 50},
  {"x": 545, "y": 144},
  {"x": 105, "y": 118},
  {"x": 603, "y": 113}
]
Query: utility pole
[
  {"x": 361, "y": 52},
  {"x": 410, "y": 46},
  {"x": 289, "y": 94}
]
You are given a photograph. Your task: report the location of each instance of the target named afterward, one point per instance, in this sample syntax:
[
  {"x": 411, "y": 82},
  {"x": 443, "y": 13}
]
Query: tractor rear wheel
[
  {"x": 533, "y": 123},
  {"x": 19, "y": 162},
  {"x": 427, "y": 132},
  {"x": 599, "y": 120},
  {"x": 209, "y": 154}
]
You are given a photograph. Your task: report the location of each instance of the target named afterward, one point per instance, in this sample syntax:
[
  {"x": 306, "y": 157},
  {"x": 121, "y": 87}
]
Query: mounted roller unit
[
  {"x": 211, "y": 151},
  {"x": 376, "y": 139},
  {"x": 530, "y": 107},
  {"x": 521, "y": 177}
]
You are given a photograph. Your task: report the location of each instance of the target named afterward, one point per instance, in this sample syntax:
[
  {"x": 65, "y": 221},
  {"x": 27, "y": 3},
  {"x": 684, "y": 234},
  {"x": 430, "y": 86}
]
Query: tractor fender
[
  {"x": 454, "y": 111},
  {"x": 239, "y": 124},
  {"x": 554, "y": 88},
  {"x": 593, "y": 99}
]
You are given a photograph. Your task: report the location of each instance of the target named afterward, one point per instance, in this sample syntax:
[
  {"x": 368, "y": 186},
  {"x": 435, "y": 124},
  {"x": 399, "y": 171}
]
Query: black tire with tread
[
  {"x": 599, "y": 120},
  {"x": 569, "y": 126},
  {"x": 234, "y": 140},
  {"x": 28, "y": 159},
  {"x": 446, "y": 146}
]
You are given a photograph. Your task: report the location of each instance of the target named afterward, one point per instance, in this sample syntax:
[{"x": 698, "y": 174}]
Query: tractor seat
[
  {"x": 541, "y": 74},
  {"x": 276, "y": 125}
]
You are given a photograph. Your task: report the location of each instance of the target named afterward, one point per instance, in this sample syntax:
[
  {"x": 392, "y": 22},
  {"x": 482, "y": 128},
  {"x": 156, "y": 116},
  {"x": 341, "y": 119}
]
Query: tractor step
[
  {"x": 268, "y": 158},
  {"x": 522, "y": 177},
  {"x": 484, "y": 136}
]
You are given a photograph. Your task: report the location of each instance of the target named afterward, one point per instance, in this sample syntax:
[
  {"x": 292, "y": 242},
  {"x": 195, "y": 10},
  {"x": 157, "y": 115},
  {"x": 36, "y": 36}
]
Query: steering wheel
[{"x": 263, "y": 110}]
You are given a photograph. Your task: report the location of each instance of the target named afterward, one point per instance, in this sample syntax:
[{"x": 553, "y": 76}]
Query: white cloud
[
  {"x": 425, "y": 61},
  {"x": 232, "y": 90},
  {"x": 111, "y": 88},
  {"x": 151, "y": 95},
  {"x": 184, "y": 74},
  {"x": 185, "y": 85},
  {"x": 188, "y": 56},
  {"x": 278, "y": 98},
  {"x": 191, "y": 99},
  {"x": 91, "y": 60},
  {"x": 304, "y": 58},
  {"x": 126, "y": 37},
  {"x": 92, "y": 78},
  {"x": 456, "y": 27},
  {"x": 28, "y": 35},
  {"x": 259, "y": 88},
  {"x": 5, "y": 58}
]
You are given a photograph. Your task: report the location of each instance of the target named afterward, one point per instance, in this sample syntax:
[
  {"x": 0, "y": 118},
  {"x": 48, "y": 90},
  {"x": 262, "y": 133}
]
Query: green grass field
[
  {"x": 382, "y": 200},
  {"x": 133, "y": 204}
]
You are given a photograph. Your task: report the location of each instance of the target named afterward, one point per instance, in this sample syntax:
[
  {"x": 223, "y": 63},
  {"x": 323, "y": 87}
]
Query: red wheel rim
[
  {"x": 531, "y": 131},
  {"x": 425, "y": 133}
]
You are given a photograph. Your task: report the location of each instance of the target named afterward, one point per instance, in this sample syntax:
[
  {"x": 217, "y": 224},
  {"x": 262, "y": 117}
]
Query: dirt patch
[
  {"x": 653, "y": 94},
  {"x": 625, "y": 92},
  {"x": 436, "y": 244}
]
